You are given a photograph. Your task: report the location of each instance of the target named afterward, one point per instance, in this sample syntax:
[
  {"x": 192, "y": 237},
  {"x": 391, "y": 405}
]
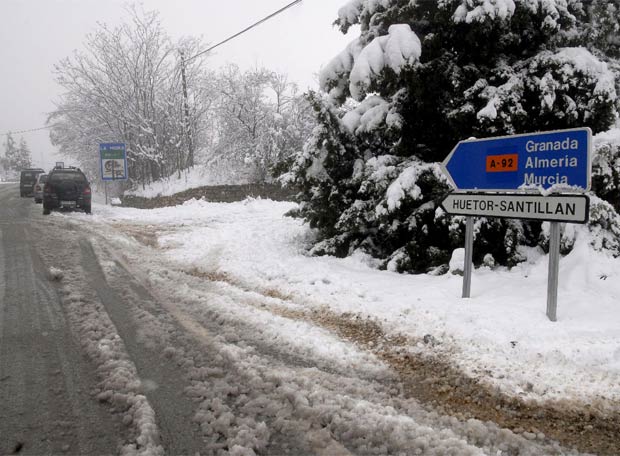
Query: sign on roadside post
[
  {"x": 113, "y": 160},
  {"x": 558, "y": 159},
  {"x": 552, "y": 208},
  {"x": 497, "y": 177}
]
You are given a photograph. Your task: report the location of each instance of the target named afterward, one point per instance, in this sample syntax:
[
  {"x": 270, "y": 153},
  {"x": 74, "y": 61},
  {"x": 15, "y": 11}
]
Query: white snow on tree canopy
[
  {"x": 367, "y": 116},
  {"x": 470, "y": 11},
  {"x": 479, "y": 10},
  {"x": 334, "y": 73},
  {"x": 551, "y": 76},
  {"x": 489, "y": 111},
  {"x": 583, "y": 61},
  {"x": 398, "y": 48},
  {"x": 349, "y": 13},
  {"x": 406, "y": 183}
]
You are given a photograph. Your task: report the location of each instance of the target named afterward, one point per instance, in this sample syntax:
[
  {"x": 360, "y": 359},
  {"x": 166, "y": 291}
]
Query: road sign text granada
[{"x": 535, "y": 162}]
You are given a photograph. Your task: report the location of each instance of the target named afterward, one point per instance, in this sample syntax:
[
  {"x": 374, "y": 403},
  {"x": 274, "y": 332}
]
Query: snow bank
[
  {"x": 198, "y": 176},
  {"x": 500, "y": 334}
]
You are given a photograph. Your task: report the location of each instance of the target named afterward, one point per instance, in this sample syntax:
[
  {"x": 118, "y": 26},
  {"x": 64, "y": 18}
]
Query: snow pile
[
  {"x": 56, "y": 274},
  {"x": 119, "y": 385},
  {"x": 500, "y": 335}
]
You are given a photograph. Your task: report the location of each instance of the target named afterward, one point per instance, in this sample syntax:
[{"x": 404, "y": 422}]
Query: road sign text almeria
[{"x": 511, "y": 163}]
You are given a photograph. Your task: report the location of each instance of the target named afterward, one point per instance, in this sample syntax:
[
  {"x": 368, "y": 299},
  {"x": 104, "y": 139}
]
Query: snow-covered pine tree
[
  {"x": 24, "y": 156},
  {"x": 10, "y": 150},
  {"x": 420, "y": 77},
  {"x": 16, "y": 157}
]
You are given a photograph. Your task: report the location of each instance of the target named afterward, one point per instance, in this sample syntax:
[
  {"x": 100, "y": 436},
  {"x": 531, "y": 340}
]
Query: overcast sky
[{"x": 35, "y": 34}]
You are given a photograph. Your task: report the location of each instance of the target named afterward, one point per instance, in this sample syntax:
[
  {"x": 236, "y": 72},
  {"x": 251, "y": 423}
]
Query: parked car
[
  {"x": 66, "y": 188},
  {"x": 27, "y": 179},
  {"x": 38, "y": 188}
]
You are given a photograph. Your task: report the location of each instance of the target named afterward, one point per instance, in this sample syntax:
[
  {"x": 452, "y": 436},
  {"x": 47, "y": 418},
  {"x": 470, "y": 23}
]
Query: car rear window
[
  {"x": 43, "y": 178},
  {"x": 63, "y": 177},
  {"x": 28, "y": 174}
]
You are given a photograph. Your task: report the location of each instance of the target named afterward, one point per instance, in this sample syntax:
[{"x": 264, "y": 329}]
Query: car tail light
[
  {"x": 47, "y": 188},
  {"x": 86, "y": 190},
  {"x": 37, "y": 188}
]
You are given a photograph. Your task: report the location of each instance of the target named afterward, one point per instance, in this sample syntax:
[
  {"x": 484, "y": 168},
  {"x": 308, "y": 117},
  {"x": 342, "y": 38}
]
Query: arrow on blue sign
[{"x": 559, "y": 159}]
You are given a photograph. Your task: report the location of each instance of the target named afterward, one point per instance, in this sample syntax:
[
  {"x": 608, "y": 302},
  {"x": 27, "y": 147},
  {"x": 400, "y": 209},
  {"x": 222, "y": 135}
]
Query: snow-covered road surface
[
  {"x": 207, "y": 338},
  {"x": 269, "y": 384},
  {"x": 242, "y": 266},
  {"x": 45, "y": 382},
  {"x": 501, "y": 334}
]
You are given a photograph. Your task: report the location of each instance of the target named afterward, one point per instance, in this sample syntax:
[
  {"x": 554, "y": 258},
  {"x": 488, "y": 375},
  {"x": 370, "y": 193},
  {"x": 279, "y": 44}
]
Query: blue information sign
[
  {"x": 558, "y": 159},
  {"x": 113, "y": 160}
]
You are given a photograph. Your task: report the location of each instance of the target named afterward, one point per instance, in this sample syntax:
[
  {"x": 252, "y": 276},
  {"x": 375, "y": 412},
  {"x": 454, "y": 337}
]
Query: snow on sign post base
[{"x": 497, "y": 177}]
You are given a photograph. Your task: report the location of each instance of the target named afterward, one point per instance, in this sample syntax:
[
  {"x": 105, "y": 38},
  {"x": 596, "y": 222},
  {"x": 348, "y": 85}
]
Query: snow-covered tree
[
  {"x": 16, "y": 157},
  {"x": 10, "y": 152},
  {"x": 422, "y": 76},
  {"x": 126, "y": 86},
  {"x": 24, "y": 156},
  {"x": 260, "y": 121}
]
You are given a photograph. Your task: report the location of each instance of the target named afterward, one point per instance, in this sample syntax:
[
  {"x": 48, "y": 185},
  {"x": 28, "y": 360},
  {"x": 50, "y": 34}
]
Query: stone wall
[{"x": 216, "y": 193}]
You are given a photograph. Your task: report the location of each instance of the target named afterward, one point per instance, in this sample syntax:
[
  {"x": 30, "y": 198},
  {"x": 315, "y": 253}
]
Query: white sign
[
  {"x": 554, "y": 208},
  {"x": 113, "y": 169}
]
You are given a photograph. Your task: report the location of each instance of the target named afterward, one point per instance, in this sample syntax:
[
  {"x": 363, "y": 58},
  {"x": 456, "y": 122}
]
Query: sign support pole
[
  {"x": 469, "y": 247},
  {"x": 105, "y": 186},
  {"x": 554, "y": 266}
]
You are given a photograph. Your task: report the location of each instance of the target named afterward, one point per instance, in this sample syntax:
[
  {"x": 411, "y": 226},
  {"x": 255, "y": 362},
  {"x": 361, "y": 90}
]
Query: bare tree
[
  {"x": 126, "y": 87},
  {"x": 258, "y": 120}
]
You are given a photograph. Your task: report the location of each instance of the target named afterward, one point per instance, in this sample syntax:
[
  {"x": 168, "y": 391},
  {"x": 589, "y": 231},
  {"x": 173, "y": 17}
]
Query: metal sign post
[
  {"x": 554, "y": 271},
  {"x": 490, "y": 171},
  {"x": 469, "y": 253}
]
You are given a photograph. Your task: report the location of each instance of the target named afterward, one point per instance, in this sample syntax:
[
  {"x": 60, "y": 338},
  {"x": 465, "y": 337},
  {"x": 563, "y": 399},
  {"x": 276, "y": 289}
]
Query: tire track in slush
[
  {"x": 275, "y": 381},
  {"x": 46, "y": 407},
  {"x": 163, "y": 386}
]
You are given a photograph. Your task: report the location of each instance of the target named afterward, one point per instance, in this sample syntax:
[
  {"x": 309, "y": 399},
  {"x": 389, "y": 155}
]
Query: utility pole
[{"x": 188, "y": 129}]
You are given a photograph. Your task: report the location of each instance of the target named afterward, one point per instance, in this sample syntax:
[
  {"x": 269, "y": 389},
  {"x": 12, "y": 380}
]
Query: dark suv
[
  {"x": 27, "y": 178},
  {"x": 66, "y": 188}
]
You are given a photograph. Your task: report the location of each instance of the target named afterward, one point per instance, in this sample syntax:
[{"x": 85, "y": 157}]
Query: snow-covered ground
[{"x": 500, "y": 335}]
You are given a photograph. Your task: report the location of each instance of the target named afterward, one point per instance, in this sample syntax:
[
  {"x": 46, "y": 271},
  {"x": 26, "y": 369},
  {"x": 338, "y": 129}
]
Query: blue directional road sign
[
  {"x": 113, "y": 161},
  {"x": 559, "y": 159}
]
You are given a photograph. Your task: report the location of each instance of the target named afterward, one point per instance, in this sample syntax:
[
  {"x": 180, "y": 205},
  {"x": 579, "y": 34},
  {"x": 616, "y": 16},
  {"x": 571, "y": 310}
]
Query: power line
[
  {"x": 17, "y": 132},
  {"x": 266, "y": 18}
]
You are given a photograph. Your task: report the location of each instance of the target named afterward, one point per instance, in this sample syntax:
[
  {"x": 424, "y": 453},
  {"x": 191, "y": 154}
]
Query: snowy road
[
  {"x": 45, "y": 383},
  {"x": 122, "y": 350}
]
